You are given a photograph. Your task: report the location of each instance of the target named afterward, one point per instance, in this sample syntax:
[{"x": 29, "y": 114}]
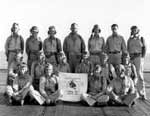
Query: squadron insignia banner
[{"x": 72, "y": 85}]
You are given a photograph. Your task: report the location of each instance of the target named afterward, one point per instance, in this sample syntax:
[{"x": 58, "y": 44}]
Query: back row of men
[{"x": 74, "y": 50}]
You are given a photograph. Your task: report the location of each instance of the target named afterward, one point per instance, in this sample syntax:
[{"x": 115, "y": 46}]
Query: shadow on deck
[{"x": 142, "y": 108}]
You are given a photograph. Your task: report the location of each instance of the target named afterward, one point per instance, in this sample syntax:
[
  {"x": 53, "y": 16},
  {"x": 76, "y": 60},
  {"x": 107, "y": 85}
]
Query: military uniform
[
  {"x": 37, "y": 71},
  {"x": 122, "y": 91},
  {"x": 108, "y": 71},
  {"x": 63, "y": 67},
  {"x": 21, "y": 87},
  {"x": 49, "y": 87},
  {"x": 73, "y": 48},
  {"x": 115, "y": 47},
  {"x": 96, "y": 90},
  {"x": 52, "y": 47},
  {"x": 33, "y": 46},
  {"x": 13, "y": 45},
  {"x": 135, "y": 45},
  {"x": 13, "y": 71},
  {"x": 84, "y": 67},
  {"x": 96, "y": 46},
  {"x": 130, "y": 71}
]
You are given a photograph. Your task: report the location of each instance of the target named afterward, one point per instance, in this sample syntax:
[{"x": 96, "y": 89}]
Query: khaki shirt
[
  {"x": 48, "y": 85},
  {"x": 96, "y": 86},
  {"x": 134, "y": 45},
  {"x": 96, "y": 44},
  {"x": 122, "y": 87},
  {"x": 115, "y": 43},
  {"x": 13, "y": 69},
  {"x": 52, "y": 45},
  {"x": 14, "y": 44},
  {"x": 73, "y": 44},
  {"x": 33, "y": 45},
  {"x": 63, "y": 68},
  {"x": 22, "y": 81},
  {"x": 84, "y": 67},
  {"x": 37, "y": 70}
]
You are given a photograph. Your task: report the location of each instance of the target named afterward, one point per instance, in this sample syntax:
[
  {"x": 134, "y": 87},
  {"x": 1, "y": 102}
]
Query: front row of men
[{"x": 106, "y": 84}]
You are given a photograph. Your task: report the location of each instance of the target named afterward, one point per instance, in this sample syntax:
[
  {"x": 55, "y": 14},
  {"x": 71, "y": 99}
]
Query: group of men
[{"x": 114, "y": 69}]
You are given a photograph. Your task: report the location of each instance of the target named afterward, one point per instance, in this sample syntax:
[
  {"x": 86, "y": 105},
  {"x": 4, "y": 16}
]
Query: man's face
[
  {"x": 35, "y": 34},
  {"x": 64, "y": 60},
  {"x": 114, "y": 29},
  {"x": 98, "y": 70},
  {"x": 49, "y": 70},
  {"x": 15, "y": 29},
  {"x": 134, "y": 31},
  {"x": 23, "y": 70},
  {"x": 52, "y": 32},
  {"x": 18, "y": 58},
  {"x": 120, "y": 73},
  {"x": 125, "y": 60},
  {"x": 74, "y": 29},
  {"x": 96, "y": 31},
  {"x": 41, "y": 58}
]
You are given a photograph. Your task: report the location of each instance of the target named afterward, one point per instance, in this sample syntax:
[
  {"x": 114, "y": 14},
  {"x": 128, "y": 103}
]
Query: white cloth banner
[{"x": 72, "y": 86}]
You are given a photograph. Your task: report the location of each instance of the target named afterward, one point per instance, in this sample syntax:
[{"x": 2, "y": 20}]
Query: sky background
[{"x": 86, "y": 13}]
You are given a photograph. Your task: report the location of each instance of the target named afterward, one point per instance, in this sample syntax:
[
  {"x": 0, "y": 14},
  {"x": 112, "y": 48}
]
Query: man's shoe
[{"x": 22, "y": 102}]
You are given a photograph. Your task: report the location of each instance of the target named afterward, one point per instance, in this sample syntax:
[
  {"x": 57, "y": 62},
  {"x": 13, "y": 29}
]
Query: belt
[
  {"x": 96, "y": 53},
  {"x": 114, "y": 52},
  {"x": 51, "y": 54},
  {"x": 134, "y": 55},
  {"x": 16, "y": 51}
]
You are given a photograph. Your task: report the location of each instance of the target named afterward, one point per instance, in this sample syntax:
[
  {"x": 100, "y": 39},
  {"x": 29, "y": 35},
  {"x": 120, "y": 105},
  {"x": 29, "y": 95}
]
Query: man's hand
[{"x": 48, "y": 101}]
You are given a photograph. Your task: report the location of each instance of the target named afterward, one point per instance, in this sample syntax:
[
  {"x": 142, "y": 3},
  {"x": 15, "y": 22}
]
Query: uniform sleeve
[
  {"x": 32, "y": 70},
  {"x": 11, "y": 70},
  {"x": 89, "y": 46},
  {"x": 144, "y": 48},
  {"x": 104, "y": 84},
  {"x": 59, "y": 47},
  {"x": 123, "y": 46},
  {"x": 132, "y": 88},
  {"x": 128, "y": 45},
  {"x": 44, "y": 46},
  {"x": 106, "y": 50},
  {"x": 82, "y": 45},
  {"x": 40, "y": 44},
  {"x": 22, "y": 44},
  {"x": 6, "y": 46},
  {"x": 27, "y": 46},
  {"x": 42, "y": 87},
  {"x": 65, "y": 49},
  {"x": 135, "y": 79},
  {"x": 103, "y": 46},
  {"x": 15, "y": 84}
]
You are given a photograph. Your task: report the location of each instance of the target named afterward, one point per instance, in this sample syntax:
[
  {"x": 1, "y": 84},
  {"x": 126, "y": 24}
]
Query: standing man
[
  {"x": 115, "y": 46},
  {"x": 73, "y": 47},
  {"x": 52, "y": 47},
  {"x": 137, "y": 50},
  {"x": 96, "y": 45},
  {"x": 14, "y": 44},
  {"x": 33, "y": 46}
]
